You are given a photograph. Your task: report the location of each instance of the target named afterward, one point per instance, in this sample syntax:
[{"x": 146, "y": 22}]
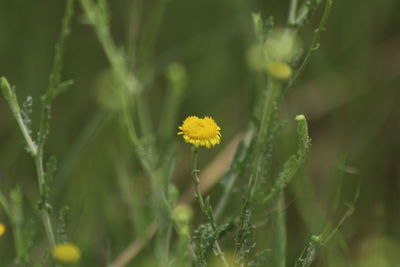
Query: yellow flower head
[
  {"x": 200, "y": 132},
  {"x": 66, "y": 253},
  {"x": 2, "y": 229}
]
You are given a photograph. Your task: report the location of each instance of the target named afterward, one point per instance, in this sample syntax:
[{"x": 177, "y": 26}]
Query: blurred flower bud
[
  {"x": 2, "y": 229},
  {"x": 66, "y": 253},
  {"x": 182, "y": 213},
  {"x": 300, "y": 117},
  {"x": 176, "y": 73},
  {"x": 282, "y": 45},
  {"x": 279, "y": 70}
]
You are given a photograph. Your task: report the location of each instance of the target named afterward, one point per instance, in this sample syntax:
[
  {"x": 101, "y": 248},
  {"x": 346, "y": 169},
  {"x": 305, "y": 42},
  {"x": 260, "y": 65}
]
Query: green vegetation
[{"x": 106, "y": 180}]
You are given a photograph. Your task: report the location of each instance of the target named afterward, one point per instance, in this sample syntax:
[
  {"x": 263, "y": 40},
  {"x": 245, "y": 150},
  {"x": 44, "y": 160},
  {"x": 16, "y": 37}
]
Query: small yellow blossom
[
  {"x": 2, "y": 229},
  {"x": 279, "y": 70},
  {"x": 200, "y": 132},
  {"x": 66, "y": 253}
]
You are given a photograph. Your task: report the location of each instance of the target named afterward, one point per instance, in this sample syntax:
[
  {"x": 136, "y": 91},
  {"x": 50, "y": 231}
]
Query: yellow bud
[
  {"x": 2, "y": 229},
  {"x": 66, "y": 253},
  {"x": 279, "y": 70},
  {"x": 300, "y": 117}
]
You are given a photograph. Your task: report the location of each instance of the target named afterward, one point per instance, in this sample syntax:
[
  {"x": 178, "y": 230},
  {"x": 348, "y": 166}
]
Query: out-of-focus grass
[{"x": 349, "y": 92}]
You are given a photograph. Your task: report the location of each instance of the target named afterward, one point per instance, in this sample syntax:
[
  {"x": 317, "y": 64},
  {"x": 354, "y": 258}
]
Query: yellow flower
[
  {"x": 200, "y": 132},
  {"x": 2, "y": 229},
  {"x": 66, "y": 253}
]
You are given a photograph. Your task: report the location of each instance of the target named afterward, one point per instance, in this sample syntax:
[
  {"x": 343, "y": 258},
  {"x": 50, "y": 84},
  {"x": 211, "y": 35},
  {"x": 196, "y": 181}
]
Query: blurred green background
[{"x": 349, "y": 92}]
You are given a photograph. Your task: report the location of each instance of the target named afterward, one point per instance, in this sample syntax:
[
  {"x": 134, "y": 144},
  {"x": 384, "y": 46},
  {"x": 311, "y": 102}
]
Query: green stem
[
  {"x": 4, "y": 204},
  {"x": 315, "y": 42},
  {"x": 292, "y": 12},
  {"x": 196, "y": 180},
  {"x": 303, "y": 10},
  {"x": 45, "y": 215},
  {"x": 272, "y": 94},
  {"x": 279, "y": 221},
  {"x": 32, "y": 147}
]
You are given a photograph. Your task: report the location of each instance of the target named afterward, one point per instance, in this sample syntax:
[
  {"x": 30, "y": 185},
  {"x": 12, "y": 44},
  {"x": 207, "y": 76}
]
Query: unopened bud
[
  {"x": 279, "y": 70},
  {"x": 300, "y": 117}
]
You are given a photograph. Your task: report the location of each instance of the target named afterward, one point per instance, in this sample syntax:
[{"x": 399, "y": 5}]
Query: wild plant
[{"x": 278, "y": 59}]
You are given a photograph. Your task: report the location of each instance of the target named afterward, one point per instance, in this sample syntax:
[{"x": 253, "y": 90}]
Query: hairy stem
[
  {"x": 272, "y": 94},
  {"x": 204, "y": 210},
  {"x": 45, "y": 215}
]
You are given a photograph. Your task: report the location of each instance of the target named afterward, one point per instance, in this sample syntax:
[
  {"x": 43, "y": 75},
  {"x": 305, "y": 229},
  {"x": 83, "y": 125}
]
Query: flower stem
[
  {"x": 44, "y": 213},
  {"x": 196, "y": 180},
  {"x": 208, "y": 216}
]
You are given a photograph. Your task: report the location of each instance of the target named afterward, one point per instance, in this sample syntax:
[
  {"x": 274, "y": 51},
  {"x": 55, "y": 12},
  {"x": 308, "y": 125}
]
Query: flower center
[{"x": 201, "y": 129}]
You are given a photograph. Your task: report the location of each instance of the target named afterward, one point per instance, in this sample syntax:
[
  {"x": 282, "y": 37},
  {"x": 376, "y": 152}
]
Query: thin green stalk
[
  {"x": 316, "y": 242},
  {"x": 292, "y": 12},
  {"x": 32, "y": 147},
  {"x": 304, "y": 10},
  {"x": 45, "y": 215},
  {"x": 16, "y": 219},
  {"x": 315, "y": 42},
  {"x": 176, "y": 76},
  {"x": 4, "y": 204},
  {"x": 18, "y": 240},
  {"x": 271, "y": 97},
  {"x": 55, "y": 87},
  {"x": 243, "y": 245},
  {"x": 196, "y": 180},
  {"x": 279, "y": 221},
  {"x": 199, "y": 197},
  {"x": 294, "y": 162}
]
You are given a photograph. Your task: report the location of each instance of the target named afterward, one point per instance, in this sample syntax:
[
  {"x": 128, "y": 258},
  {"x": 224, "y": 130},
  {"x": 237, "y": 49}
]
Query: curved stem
[{"x": 315, "y": 42}]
